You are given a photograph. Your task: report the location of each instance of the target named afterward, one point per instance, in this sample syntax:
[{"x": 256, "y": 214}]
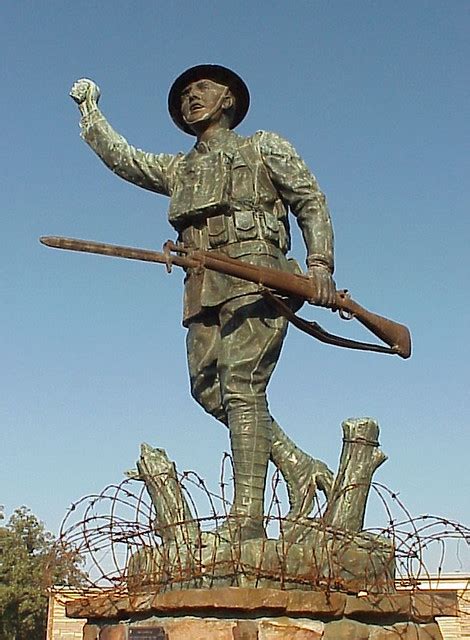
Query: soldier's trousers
[{"x": 232, "y": 351}]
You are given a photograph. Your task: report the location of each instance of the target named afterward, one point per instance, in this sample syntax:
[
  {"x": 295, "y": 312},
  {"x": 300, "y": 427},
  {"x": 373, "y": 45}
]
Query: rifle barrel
[
  {"x": 117, "y": 251},
  {"x": 396, "y": 335}
]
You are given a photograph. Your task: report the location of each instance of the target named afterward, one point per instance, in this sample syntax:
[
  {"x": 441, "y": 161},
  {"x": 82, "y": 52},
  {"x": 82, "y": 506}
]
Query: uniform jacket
[{"x": 229, "y": 194}]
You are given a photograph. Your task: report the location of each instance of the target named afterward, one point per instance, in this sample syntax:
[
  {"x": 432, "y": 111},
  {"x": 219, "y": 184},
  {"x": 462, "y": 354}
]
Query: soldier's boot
[
  {"x": 303, "y": 474},
  {"x": 250, "y": 436}
]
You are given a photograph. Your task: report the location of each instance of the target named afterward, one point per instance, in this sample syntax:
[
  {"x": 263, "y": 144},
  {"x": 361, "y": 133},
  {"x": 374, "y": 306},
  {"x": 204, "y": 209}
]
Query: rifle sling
[{"x": 315, "y": 330}]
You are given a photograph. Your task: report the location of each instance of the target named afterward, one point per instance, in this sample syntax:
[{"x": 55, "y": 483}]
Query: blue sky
[{"x": 374, "y": 96}]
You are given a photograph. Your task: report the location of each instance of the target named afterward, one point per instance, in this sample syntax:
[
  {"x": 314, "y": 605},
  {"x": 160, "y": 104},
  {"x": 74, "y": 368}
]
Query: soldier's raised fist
[{"x": 85, "y": 90}]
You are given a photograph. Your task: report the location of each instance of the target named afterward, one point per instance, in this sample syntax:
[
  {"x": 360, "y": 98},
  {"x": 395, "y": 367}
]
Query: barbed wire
[{"x": 119, "y": 536}]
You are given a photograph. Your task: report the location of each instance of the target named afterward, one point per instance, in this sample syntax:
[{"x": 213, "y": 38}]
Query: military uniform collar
[{"x": 221, "y": 139}]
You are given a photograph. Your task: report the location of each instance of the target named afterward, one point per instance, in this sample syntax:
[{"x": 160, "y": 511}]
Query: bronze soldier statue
[{"x": 232, "y": 194}]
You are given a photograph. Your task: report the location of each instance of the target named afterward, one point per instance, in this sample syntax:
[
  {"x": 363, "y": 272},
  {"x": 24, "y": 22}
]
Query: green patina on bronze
[{"x": 232, "y": 194}]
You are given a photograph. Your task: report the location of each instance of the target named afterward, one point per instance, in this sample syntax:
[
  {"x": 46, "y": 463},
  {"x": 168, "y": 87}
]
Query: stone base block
[
  {"x": 186, "y": 628},
  {"x": 263, "y": 614}
]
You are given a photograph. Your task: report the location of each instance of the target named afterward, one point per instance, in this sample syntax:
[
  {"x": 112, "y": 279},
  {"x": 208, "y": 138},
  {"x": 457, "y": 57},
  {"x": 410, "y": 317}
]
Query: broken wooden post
[
  {"x": 360, "y": 457},
  {"x": 174, "y": 521},
  {"x": 176, "y": 558}
]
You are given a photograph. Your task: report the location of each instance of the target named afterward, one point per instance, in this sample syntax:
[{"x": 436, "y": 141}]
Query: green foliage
[{"x": 30, "y": 562}]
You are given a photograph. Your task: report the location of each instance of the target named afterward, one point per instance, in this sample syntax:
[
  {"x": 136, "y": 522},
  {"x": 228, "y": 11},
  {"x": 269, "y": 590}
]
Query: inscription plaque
[{"x": 148, "y": 633}]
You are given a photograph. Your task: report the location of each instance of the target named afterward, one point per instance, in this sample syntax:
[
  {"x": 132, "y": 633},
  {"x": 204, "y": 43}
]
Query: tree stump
[
  {"x": 360, "y": 458},
  {"x": 177, "y": 557},
  {"x": 174, "y": 522}
]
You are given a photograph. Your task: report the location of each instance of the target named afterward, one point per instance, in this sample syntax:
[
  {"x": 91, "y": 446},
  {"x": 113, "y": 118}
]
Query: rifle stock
[{"x": 394, "y": 334}]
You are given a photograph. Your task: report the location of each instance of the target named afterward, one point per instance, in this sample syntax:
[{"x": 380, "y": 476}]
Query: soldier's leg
[
  {"x": 203, "y": 346},
  {"x": 302, "y": 473},
  {"x": 251, "y": 340}
]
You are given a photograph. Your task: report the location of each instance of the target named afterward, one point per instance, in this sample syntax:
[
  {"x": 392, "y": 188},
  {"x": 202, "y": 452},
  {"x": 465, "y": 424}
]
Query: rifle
[{"x": 396, "y": 335}]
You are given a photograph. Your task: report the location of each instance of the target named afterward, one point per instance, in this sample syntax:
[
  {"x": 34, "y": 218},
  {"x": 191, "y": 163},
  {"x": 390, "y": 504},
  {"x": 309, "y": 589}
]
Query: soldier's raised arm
[{"x": 151, "y": 171}]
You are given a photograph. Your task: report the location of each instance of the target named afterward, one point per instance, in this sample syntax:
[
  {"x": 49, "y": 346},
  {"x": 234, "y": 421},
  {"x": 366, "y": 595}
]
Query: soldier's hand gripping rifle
[{"x": 396, "y": 335}]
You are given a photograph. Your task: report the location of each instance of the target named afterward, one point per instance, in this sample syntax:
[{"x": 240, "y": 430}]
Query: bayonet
[{"x": 394, "y": 334}]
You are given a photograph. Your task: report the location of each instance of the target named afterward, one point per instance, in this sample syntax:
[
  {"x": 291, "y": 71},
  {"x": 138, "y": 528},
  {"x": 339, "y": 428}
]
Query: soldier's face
[{"x": 204, "y": 100}]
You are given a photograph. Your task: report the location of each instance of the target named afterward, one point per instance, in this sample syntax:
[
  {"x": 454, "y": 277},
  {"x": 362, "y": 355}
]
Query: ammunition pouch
[
  {"x": 221, "y": 199},
  {"x": 238, "y": 226}
]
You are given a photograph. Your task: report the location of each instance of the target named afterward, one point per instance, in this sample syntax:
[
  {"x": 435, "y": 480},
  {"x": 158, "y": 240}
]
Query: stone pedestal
[{"x": 262, "y": 614}]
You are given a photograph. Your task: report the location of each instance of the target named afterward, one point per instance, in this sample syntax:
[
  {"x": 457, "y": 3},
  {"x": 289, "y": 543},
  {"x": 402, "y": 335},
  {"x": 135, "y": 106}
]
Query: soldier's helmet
[{"x": 218, "y": 74}]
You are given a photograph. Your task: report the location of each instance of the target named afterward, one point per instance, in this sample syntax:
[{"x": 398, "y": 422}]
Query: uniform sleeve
[
  {"x": 300, "y": 192},
  {"x": 151, "y": 171}
]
